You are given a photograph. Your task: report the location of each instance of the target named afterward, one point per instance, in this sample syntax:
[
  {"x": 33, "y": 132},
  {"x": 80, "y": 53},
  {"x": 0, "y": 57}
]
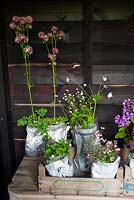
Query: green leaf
[
  {"x": 98, "y": 97},
  {"x": 120, "y": 134},
  {"x": 132, "y": 119}
]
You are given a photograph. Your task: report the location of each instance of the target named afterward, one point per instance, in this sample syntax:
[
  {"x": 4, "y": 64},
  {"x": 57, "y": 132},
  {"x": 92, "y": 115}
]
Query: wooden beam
[
  {"x": 6, "y": 131},
  {"x": 88, "y": 41}
]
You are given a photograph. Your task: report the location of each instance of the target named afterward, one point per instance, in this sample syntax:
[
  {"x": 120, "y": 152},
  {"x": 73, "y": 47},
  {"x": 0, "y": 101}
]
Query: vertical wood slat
[
  {"x": 6, "y": 133},
  {"x": 88, "y": 41}
]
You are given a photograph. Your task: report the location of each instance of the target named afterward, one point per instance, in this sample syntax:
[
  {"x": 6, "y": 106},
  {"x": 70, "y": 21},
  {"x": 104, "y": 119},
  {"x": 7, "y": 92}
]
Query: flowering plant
[
  {"x": 98, "y": 149},
  {"x": 80, "y": 107},
  {"x": 50, "y": 40},
  {"x": 125, "y": 121},
  {"x": 21, "y": 26}
]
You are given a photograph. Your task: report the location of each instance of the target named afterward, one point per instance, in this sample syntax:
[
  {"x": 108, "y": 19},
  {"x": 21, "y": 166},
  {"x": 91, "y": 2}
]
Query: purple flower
[
  {"x": 132, "y": 131},
  {"x": 132, "y": 145}
]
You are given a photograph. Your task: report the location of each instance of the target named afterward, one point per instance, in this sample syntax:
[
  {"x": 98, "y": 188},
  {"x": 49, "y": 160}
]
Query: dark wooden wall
[{"x": 103, "y": 45}]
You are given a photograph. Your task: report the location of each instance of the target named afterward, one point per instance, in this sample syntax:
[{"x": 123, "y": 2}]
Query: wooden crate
[
  {"x": 81, "y": 186},
  {"x": 128, "y": 184}
]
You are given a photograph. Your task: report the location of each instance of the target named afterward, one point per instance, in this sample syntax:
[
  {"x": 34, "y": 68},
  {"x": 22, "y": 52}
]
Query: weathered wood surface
[
  {"x": 129, "y": 181},
  {"x": 79, "y": 185},
  {"x": 24, "y": 185}
]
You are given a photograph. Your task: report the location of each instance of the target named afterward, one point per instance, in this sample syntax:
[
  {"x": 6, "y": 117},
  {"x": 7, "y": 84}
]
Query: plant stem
[
  {"x": 54, "y": 88},
  {"x": 27, "y": 68},
  {"x": 94, "y": 108}
]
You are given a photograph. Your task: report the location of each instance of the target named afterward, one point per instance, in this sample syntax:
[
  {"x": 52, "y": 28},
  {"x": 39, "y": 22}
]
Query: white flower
[
  {"x": 104, "y": 78},
  {"x": 67, "y": 79},
  {"x": 105, "y": 86},
  {"x": 110, "y": 95},
  {"x": 67, "y": 90},
  {"x": 75, "y": 66},
  {"x": 102, "y": 128},
  {"x": 84, "y": 84}
]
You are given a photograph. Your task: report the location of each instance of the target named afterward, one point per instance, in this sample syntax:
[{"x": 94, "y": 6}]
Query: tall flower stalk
[
  {"x": 50, "y": 40},
  {"x": 21, "y": 26}
]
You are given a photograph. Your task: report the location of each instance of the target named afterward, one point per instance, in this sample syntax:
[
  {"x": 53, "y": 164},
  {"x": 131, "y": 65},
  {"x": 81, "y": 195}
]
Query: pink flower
[
  {"x": 25, "y": 39},
  {"x": 60, "y": 34},
  {"x": 50, "y": 34},
  {"x": 29, "y": 26},
  {"x": 16, "y": 19},
  {"x": 50, "y": 56},
  {"x": 54, "y": 29},
  {"x": 12, "y": 25},
  {"x": 29, "y": 19},
  {"x": 23, "y": 20},
  {"x": 55, "y": 51},
  {"x": 45, "y": 38},
  {"x": 18, "y": 39},
  {"x": 40, "y": 34},
  {"x": 28, "y": 50}
]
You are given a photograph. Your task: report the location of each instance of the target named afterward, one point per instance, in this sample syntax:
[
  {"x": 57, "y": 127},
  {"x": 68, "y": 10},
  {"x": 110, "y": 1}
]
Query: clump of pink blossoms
[
  {"x": 21, "y": 26},
  {"x": 50, "y": 40}
]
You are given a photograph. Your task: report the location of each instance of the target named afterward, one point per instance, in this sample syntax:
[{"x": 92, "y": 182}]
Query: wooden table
[{"x": 24, "y": 185}]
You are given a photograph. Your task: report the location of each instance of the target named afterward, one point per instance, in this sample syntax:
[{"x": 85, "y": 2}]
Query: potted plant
[
  {"x": 34, "y": 123},
  {"x": 102, "y": 155},
  {"x": 80, "y": 107},
  {"x": 57, "y": 155},
  {"x": 56, "y": 124},
  {"x": 125, "y": 131},
  {"x": 36, "y": 131},
  {"x": 131, "y": 158}
]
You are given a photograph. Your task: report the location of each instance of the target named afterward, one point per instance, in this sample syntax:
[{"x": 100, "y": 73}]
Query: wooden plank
[
  {"x": 88, "y": 41},
  {"x": 25, "y": 182},
  {"x": 68, "y": 53},
  {"x": 65, "y": 10},
  {"x": 113, "y": 31},
  {"x": 43, "y": 75},
  {"x": 79, "y": 186},
  {"x": 42, "y": 94},
  {"x": 128, "y": 182},
  {"x": 108, "y": 53},
  {"x": 116, "y": 74}
]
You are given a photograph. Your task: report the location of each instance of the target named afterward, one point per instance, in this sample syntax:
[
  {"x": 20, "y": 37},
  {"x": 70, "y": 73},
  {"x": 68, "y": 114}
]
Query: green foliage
[
  {"x": 131, "y": 154},
  {"x": 123, "y": 134},
  {"x": 80, "y": 107},
  {"x": 56, "y": 120},
  {"x": 84, "y": 117},
  {"x": 56, "y": 150},
  {"x": 36, "y": 122}
]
